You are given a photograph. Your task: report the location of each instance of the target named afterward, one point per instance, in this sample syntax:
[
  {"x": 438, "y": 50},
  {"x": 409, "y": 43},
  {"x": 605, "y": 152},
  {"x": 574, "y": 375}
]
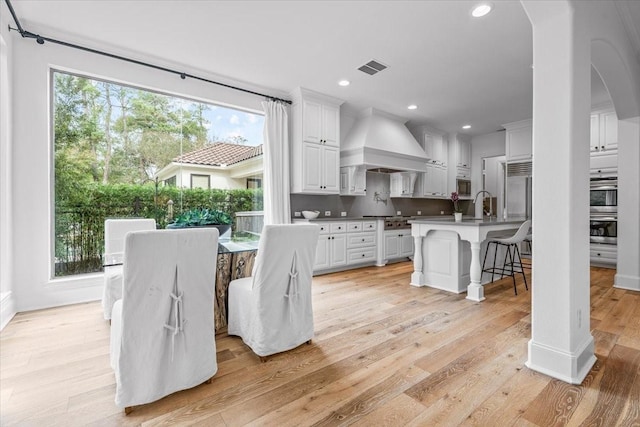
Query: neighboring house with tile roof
[{"x": 218, "y": 165}]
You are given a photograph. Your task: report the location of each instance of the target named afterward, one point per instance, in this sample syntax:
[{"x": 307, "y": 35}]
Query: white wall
[
  {"x": 7, "y": 303},
  {"x": 32, "y": 168}
]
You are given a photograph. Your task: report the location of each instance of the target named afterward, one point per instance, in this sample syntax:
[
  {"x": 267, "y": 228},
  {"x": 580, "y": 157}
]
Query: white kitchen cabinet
[
  {"x": 604, "y": 131},
  {"x": 320, "y": 123},
  {"x": 320, "y": 168},
  {"x": 402, "y": 184},
  {"x": 518, "y": 141},
  {"x": 433, "y": 182},
  {"x": 603, "y": 255},
  {"x": 342, "y": 244},
  {"x": 434, "y": 145},
  {"x": 463, "y": 154},
  {"x": 398, "y": 244},
  {"x": 332, "y": 245},
  {"x": 353, "y": 181},
  {"x": 315, "y": 151}
]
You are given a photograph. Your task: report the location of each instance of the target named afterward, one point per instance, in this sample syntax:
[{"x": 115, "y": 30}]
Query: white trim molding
[
  {"x": 631, "y": 283},
  {"x": 570, "y": 367},
  {"x": 7, "y": 309}
]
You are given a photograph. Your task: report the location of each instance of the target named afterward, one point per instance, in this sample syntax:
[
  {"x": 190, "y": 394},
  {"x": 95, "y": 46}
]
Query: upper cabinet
[
  {"x": 402, "y": 183},
  {"x": 518, "y": 141},
  {"x": 463, "y": 153},
  {"x": 315, "y": 145},
  {"x": 320, "y": 123},
  {"x": 353, "y": 181},
  {"x": 435, "y": 146},
  {"x": 604, "y": 131}
]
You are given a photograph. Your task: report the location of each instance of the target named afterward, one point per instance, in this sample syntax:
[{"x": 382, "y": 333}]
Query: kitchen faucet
[{"x": 490, "y": 202}]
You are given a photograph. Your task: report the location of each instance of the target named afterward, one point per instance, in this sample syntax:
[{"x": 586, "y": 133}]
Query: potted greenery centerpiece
[
  {"x": 203, "y": 217},
  {"x": 457, "y": 212}
]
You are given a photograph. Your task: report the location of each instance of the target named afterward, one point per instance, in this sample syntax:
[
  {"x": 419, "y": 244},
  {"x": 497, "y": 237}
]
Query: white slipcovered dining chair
[
  {"x": 114, "y": 233},
  {"x": 272, "y": 310},
  {"x": 162, "y": 330}
]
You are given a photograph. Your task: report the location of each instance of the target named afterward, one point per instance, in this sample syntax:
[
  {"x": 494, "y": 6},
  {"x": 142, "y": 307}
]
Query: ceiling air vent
[{"x": 372, "y": 67}]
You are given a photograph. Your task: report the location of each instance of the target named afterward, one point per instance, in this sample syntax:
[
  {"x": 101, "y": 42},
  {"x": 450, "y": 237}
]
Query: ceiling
[{"x": 457, "y": 69}]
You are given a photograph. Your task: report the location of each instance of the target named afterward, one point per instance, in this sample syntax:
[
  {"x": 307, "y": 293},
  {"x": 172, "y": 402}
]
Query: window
[
  {"x": 200, "y": 181},
  {"x": 114, "y": 147},
  {"x": 254, "y": 183}
]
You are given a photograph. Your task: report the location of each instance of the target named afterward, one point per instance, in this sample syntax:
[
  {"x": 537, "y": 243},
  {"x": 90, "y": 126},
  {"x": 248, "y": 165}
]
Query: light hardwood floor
[{"x": 384, "y": 353}]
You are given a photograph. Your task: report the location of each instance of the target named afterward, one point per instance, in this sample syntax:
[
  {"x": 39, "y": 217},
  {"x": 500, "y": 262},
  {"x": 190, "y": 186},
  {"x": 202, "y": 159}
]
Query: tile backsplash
[{"x": 366, "y": 205}]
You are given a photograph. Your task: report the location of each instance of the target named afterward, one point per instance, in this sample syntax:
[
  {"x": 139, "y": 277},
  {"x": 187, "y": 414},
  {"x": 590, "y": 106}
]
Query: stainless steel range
[{"x": 396, "y": 223}]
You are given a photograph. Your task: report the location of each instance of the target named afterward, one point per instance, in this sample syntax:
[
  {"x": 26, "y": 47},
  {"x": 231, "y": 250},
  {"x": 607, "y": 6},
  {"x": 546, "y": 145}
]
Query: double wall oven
[{"x": 604, "y": 211}]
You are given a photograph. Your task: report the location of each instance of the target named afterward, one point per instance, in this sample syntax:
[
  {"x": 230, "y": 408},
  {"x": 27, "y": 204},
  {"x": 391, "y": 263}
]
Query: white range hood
[{"x": 379, "y": 140}]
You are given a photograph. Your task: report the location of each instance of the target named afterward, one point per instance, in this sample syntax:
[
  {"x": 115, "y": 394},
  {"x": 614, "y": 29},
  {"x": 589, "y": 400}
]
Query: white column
[
  {"x": 417, "y": 277},
  {"x": 628, "y": 272},
  {"x": 561, "y": 344},
  {"x": 475, "y": 291}
]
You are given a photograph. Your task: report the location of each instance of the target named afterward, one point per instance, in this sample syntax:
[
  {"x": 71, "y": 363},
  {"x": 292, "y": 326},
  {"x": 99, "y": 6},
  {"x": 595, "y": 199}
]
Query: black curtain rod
[{"x": 41, "y": 39}]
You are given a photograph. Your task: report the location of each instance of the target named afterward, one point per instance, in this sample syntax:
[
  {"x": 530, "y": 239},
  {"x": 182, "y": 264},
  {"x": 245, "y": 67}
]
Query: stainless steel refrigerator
[{"x": 519, "y": 189}]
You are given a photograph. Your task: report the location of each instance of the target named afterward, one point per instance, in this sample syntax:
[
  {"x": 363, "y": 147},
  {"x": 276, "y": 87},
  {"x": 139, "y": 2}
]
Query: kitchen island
[{"x": 427, "y": 231}]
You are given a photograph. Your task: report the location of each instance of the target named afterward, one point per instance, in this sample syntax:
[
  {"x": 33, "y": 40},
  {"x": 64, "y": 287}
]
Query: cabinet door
[
  {"x": 331, "y": 125},
  {"x": 406, "y": 245},
  {"x": 330, "y": 169},
  {"x": 428, "y": 178},
  {"x": 519, "y": 144},
  {"x": 338, "y": 249},
  {"x": 360, "y": 180},
  {"x": 428, "y": 145},
  {"x": 608, "y": 131},
  {"x": 463, "y": 154},
  {"x": 391, "y": 245},
  {"x": 442, "y": 181},
  {"x": 595, "y": 132},
  {"x": 322, "y": 253},
  {"x": 312, "y": 167},
  {"x": 311, "y": 121}
]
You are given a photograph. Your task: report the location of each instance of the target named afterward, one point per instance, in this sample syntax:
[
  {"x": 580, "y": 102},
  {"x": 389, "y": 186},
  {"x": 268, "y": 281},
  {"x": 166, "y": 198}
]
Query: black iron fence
[{"x": 79, "y": 229}]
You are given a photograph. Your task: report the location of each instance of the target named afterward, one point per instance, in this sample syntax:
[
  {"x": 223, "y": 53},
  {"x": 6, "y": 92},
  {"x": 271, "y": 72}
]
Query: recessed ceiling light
[
  {"x": 344, "y": 82},
  {"x": 481, "y": 10},
  {"x": 466, "y": 127},
  {"x": 412, "y": 107}
]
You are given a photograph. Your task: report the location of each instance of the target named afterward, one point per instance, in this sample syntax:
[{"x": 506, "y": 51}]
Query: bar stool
[{"x": 511, "y": 243}]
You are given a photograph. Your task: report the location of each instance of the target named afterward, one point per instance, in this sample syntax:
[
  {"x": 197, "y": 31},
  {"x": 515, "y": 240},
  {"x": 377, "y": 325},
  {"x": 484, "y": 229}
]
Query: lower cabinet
[
  {"x": 344, "y": 244},
  {"x": 603, "y": 255},
  {"x": 398, "y": 244},
  {"x": 332, "y": 246}
]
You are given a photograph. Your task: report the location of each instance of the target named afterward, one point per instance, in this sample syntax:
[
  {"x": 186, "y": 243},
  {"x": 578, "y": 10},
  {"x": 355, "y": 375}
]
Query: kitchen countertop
[
  {"x": 469, "y": 221},
  {"x": 374, "y": 218}
]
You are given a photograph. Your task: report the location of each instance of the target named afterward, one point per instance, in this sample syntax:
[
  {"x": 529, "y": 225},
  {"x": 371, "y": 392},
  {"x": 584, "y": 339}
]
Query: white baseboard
[
  {"x": 571, "y": 368},
  {"x": 631, "y": 283},
  {"x": 7, "y": 309}
]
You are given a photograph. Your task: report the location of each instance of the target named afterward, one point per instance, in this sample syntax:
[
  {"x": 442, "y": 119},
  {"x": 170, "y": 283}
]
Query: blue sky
[{"x": 227, "y": 123}]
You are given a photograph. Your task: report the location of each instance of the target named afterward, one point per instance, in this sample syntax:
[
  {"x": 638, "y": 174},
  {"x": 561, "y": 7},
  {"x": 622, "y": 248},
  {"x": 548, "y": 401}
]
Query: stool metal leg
[
  {"x": 521, "y": 268},
  {"x": 511, "y": 269}
]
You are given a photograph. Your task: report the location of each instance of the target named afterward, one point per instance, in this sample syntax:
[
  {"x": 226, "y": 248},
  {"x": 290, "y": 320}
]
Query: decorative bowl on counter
[{"x": 310, "y": 214}]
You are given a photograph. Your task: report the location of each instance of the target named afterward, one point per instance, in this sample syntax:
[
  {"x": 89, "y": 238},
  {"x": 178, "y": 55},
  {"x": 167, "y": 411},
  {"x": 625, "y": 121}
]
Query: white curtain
[{"x": 277, "y": 209}]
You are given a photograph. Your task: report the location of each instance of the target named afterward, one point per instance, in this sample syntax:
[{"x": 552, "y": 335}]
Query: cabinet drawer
[
  {"x": 338, "y": 227},
  {"x": 324, "y": 227},
  {"x": 355, "y": 256},
  {"x": 354, "y": 226},
  {"x": 603, "y": 255},
  {"x": 369, "y": 225},
  {"x": 359, "y": 240}
]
